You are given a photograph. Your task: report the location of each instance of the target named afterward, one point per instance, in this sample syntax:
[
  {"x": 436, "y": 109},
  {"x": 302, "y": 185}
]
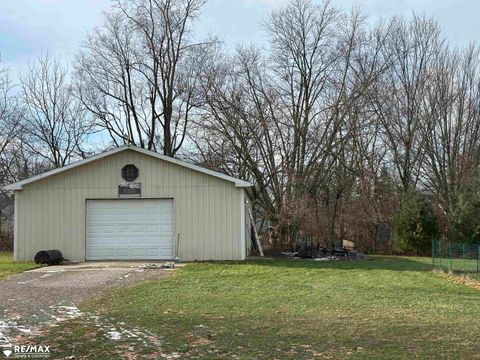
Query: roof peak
[{"x": 19, "y": 184}]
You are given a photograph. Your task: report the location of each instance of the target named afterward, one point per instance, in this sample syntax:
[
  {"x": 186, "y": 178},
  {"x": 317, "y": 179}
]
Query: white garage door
[{"x": 129, "y": 229}]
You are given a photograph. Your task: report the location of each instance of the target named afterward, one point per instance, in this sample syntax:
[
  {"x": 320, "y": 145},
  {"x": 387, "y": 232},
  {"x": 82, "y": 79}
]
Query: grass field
[
  {"x": 8, "y": 267},
  {"x": 384, "y": 308}
]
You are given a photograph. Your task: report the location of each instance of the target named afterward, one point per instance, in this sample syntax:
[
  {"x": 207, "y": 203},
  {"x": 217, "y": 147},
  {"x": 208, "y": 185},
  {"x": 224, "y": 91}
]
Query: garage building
[{"x": 132, "y": 204}]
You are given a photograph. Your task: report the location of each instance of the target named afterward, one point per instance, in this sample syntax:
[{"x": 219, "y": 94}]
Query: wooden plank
[{"x": 255, "y": 233}]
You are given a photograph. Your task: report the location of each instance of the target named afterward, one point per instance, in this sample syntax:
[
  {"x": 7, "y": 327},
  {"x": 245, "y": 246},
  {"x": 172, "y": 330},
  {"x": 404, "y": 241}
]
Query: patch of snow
[
  {"x": 327, "y": 258},
  {"x": 117, "y": 333},
  {"x": 4, "y": 340},
  {"x": 55, "y": 271},
  {"x": 63, "y": 312},
  {"x": 68, "y": 311},
  {"x": 8, "y": 327},
  {"x": 25, "y": 282},
  {"x": 60, "y": 312},
  {"x": 114, "y": 335},
  {"x": 150, "y": 266},
  {"x": 173, "y": 355}
]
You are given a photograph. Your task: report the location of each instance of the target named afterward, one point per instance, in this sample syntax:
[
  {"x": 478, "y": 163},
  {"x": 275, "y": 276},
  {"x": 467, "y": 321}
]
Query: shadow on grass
[{"x": 391, "y": 263}]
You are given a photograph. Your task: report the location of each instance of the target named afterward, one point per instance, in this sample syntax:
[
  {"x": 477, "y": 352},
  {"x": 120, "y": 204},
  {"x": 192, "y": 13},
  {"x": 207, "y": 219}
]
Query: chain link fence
[{"x": 455, "y": 257}]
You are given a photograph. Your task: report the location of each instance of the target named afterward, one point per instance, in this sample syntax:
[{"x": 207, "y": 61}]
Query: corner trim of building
[
  {"x": 242, "y": 225},
  {"x": 15, "y": 227}
]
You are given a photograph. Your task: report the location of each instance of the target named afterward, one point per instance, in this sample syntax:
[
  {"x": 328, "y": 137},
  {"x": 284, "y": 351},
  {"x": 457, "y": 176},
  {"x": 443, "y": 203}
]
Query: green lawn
[
  {"x": 8, "y": 267},
  {"x": 385, "y": 308},
  {"x": 468, "y": 265}
]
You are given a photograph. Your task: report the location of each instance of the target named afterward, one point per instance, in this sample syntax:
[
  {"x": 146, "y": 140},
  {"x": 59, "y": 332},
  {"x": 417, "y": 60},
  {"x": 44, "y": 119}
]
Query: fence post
[
  {"x": 433, "y": 253},
  {"x": 478, "y": 256},
  {"x": 440, "y": 244},
  {"x": 463, "y": 251},
  {"x": 450, "y": 255}
]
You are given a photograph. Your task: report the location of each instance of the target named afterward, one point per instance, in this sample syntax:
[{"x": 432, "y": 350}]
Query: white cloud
[{"x": 31, "y": 27}]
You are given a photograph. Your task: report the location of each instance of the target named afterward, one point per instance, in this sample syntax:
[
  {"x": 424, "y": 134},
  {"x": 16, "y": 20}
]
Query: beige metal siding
[{"x": 50, "y": 213}]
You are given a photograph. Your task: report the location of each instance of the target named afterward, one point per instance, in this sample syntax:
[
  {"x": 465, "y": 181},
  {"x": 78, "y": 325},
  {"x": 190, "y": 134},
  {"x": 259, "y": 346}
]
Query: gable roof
[{"x": 19, "y": 185}]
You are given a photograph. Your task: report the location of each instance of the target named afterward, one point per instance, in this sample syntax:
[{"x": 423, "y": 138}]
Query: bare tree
[
  {"x": 335, "y": 122},
  {"x": 139, "y": 73},
  {"x": 9, "y": 123},
  {"x": 452, "y": 124},
  {"x": 109, "y": 87},
  {"x": 53, "y": 120},
  {"x": 398, "y": 97},
  {"x": 9, "y": 128},
  {"x": 285, "y": 120}
]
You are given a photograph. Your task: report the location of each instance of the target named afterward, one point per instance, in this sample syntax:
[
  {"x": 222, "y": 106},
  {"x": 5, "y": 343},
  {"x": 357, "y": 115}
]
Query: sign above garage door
[{"x": 130, "y": 190}]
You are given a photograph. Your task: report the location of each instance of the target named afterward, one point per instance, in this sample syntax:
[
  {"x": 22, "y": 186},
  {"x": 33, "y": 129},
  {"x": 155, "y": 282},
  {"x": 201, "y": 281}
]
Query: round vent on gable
[{"x": 129, "y": 172}]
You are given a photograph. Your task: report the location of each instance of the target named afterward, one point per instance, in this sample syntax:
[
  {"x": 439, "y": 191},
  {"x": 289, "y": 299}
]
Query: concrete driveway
[{"x": 45, "y": 296}]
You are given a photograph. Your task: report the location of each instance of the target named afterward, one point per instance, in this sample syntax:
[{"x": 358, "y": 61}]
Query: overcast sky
[{"x": 29, "y": 28}]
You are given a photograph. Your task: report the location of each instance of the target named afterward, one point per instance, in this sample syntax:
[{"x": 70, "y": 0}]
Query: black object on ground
[
  {"x": 306, "y": 247},
  {"x": 49, "y": 257}
]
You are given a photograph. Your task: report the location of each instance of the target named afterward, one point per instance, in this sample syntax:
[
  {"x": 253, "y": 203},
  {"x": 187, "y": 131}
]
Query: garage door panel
[
  {"x": 166, "y": 228},
  {"x": 123, "y": 229},
  {"x": 164, "y": 253},
  {"x": 137, "y": 217},
  {"x": 129, "y": 229},
  {"x": 101, "y": 241},
  {"x": 138, "y": 229},
  {"x": 120, "y": 253},
  {"x": 152, "y": 228},
  {"x": 152, "y": 242},
  {"x": 102, "y": 218},
  {"x": 164, "y": 242},
  {"x": 122, "y": 240},
  {"x": 154, "y": 217},
  {"x": 102, "y": 229},
  {"x": 166, "y": 217},
  {"x": 137, "y": 252},
  {"x": 123, "y": 217}
]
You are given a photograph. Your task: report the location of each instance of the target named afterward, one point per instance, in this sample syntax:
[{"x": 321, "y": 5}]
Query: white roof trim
[{"x": 19, "y": 185}]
